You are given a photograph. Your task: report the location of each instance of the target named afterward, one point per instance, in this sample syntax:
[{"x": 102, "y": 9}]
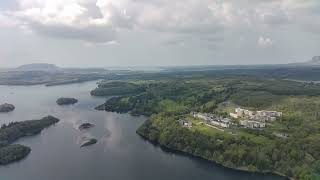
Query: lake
[{"x": 120, "y": 153}]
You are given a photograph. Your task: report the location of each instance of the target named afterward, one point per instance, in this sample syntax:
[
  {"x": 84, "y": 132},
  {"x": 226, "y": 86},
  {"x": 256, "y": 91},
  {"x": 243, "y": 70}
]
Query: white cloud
[
  {"x": 265, "y": 41},
  {"x": 71, "y": 19},
  {"x": 6, "y": 21},
  {"x": 99, "y": 20}
]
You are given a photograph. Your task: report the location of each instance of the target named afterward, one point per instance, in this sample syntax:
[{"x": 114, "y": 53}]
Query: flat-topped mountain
[{"x": 38, "y": 67}]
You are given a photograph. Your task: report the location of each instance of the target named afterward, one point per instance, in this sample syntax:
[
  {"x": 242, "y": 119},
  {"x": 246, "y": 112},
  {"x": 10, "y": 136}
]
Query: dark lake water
[{"x": 120, "y": 153}]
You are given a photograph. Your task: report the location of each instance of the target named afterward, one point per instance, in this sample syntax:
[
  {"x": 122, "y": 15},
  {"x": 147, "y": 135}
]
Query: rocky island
[
  {"x": 6, "y": 107},
  {"x": 66, "y": 101},
  {"x": 85, "y": 126},
  {"x": 15, "y": 130},
  {"x": 89, "y": 142}
]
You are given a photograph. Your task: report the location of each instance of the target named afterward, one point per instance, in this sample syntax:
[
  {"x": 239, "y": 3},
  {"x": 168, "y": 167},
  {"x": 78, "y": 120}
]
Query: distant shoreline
[{"x": 48, "y": 84}]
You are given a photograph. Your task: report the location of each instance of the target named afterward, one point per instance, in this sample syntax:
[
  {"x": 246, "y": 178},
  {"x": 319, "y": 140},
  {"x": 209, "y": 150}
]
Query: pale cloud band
[
  {"x": 158, "y": 32},
  {"x": 99, "y": 20}
]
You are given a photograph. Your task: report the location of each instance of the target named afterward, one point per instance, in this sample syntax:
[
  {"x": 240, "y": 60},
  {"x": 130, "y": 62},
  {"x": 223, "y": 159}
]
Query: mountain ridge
[{"x": 38, "y": 67}]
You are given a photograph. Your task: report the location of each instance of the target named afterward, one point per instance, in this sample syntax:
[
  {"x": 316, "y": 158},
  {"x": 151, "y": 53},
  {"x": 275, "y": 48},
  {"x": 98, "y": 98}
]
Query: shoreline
[
  {"x": 177, "y": 151},
  {"x": 181, "y": 152},
  {"x": 46, "y": 84}
]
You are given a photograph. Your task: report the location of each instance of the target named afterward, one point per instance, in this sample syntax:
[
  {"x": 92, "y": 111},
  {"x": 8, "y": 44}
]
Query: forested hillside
[{"x": 295, "y": 154}]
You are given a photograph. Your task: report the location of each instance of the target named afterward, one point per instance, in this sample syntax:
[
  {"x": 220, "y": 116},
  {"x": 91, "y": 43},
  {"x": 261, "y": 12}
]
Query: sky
[{"x": 104, "y": 33}]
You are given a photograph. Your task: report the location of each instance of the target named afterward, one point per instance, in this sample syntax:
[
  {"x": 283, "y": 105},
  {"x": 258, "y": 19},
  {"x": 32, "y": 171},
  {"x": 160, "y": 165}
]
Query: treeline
[
  {"x": 255, "y": 99},
  {"x": 282, "y": 87},
  {"x": 198, "y": 95},
  {"x": 263, "y": 72},
  {"x": 176, "y": 97},
  {"x": 116, "y": 88}
]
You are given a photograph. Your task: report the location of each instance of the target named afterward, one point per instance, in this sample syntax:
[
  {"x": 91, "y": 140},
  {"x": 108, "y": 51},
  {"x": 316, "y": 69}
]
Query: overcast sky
[{"x": 94, "y": 33}]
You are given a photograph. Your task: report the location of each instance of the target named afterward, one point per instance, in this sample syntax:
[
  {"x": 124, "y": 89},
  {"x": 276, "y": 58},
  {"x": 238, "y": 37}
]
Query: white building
[
  {"x": 243, "y": 112},
  {"x": 252, "y": 124},
  {"x": 185, "y": 123},
  {"x": 257, "y": 119},
  {"x": 221, "y": 124},
  {"x": 201, "y": 116},
  {"x": 269, "y": 113},
  {"x": 212, "y": 119},
  {"x": 234, "y": 115},
  {"x": 261, "y": 116},
  {"x": 239, "y": 111}
]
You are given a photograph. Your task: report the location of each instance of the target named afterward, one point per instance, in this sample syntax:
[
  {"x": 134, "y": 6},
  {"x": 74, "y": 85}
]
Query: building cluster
[
  {"x": 213, "y": 119},
  {"x": 185, "y": 123},
  {"x": 255, "y": 119},
  {"x": 252, "y": 124}
]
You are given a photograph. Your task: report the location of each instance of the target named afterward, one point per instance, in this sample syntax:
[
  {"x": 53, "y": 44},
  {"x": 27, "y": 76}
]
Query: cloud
[
  {"x": 70, "y": 19},
  {"x": 99, "y": 21},
  {"x": 6, "y": 21},
  {"x": 265, "y": 41}
]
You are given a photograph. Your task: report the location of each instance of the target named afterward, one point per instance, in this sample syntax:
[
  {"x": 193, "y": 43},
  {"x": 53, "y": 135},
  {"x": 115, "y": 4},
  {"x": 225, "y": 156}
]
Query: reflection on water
[{"x": 120, "y": 154}]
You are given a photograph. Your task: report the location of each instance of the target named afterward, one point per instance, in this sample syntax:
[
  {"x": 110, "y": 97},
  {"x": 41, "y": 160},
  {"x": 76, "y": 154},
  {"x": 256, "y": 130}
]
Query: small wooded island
[
  {"x": 66, "y": 101},
  {"x": 15, "y": 130},
  {"x": 6, "y": 107}
]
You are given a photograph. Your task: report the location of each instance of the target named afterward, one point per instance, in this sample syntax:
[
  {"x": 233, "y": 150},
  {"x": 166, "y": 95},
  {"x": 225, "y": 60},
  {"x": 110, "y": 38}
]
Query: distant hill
[
  {"x": 38, "y": 67},
  {"x": 315, "y": 61}
]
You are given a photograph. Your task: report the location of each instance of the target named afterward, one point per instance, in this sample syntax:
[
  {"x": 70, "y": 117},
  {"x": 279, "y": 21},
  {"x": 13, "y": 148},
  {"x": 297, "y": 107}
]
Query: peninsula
[
  {"x": 252, "y": 123},
  {"x": 13, "y": 131}
]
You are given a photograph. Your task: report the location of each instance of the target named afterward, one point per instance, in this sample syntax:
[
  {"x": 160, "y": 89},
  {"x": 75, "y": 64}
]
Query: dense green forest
[
  {"x": 165, "y": 101},
  {"x": 116, "y": 88},
  {"x": 13, "y": 131}
]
